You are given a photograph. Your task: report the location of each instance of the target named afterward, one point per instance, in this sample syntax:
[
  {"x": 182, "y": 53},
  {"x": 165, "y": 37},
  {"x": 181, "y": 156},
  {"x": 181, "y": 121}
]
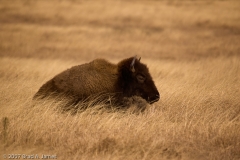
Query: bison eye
[{"x": 141, "y": 78}]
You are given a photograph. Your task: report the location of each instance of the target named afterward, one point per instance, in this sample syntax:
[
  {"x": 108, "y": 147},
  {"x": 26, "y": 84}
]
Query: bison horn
[
  {"x": 133, "y": 63},
  {"x": 139, "y": 59}
]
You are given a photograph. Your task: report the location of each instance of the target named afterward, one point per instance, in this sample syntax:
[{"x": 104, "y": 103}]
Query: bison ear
[{"x": 132, "y": 64}]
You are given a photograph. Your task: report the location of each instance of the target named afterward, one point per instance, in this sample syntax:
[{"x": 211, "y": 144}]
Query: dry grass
[
  {"x": 191, "y": 48},
  {"x": 198, "y": 116}
]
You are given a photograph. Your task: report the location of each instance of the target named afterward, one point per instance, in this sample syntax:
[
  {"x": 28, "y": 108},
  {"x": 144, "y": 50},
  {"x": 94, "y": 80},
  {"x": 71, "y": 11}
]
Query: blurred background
[{"x": 85, "y": 30}]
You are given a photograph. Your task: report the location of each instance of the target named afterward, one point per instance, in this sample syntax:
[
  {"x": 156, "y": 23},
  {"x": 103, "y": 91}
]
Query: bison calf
[{"x": 128, "y": 78}]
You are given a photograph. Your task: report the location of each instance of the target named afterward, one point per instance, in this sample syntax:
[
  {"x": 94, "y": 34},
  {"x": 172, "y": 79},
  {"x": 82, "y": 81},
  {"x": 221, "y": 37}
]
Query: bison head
[{"x": 135, "y": 79}]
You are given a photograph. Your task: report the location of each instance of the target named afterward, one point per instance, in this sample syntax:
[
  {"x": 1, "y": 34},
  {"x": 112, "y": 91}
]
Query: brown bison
[{"x": 128, "y": 78}]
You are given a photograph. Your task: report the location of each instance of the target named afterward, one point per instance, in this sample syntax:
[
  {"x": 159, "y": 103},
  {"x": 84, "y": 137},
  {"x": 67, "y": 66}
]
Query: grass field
[{"x": 192, "y": 51}]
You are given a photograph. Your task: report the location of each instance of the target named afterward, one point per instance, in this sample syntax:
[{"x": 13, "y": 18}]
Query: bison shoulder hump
[{"x": 89, "y": 77}]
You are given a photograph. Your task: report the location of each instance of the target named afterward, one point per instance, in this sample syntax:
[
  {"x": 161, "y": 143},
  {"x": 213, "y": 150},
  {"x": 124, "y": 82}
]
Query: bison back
[{"x": 98, "y": 76}]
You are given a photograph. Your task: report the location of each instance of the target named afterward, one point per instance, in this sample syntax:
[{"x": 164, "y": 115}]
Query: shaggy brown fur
[{"x": 126, "y": 79}]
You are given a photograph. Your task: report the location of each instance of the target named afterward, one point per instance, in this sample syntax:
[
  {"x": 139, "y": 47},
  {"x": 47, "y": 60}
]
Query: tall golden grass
[
  {"x": 192, "y": 51},
  {"x": 198, "y": 116}
]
